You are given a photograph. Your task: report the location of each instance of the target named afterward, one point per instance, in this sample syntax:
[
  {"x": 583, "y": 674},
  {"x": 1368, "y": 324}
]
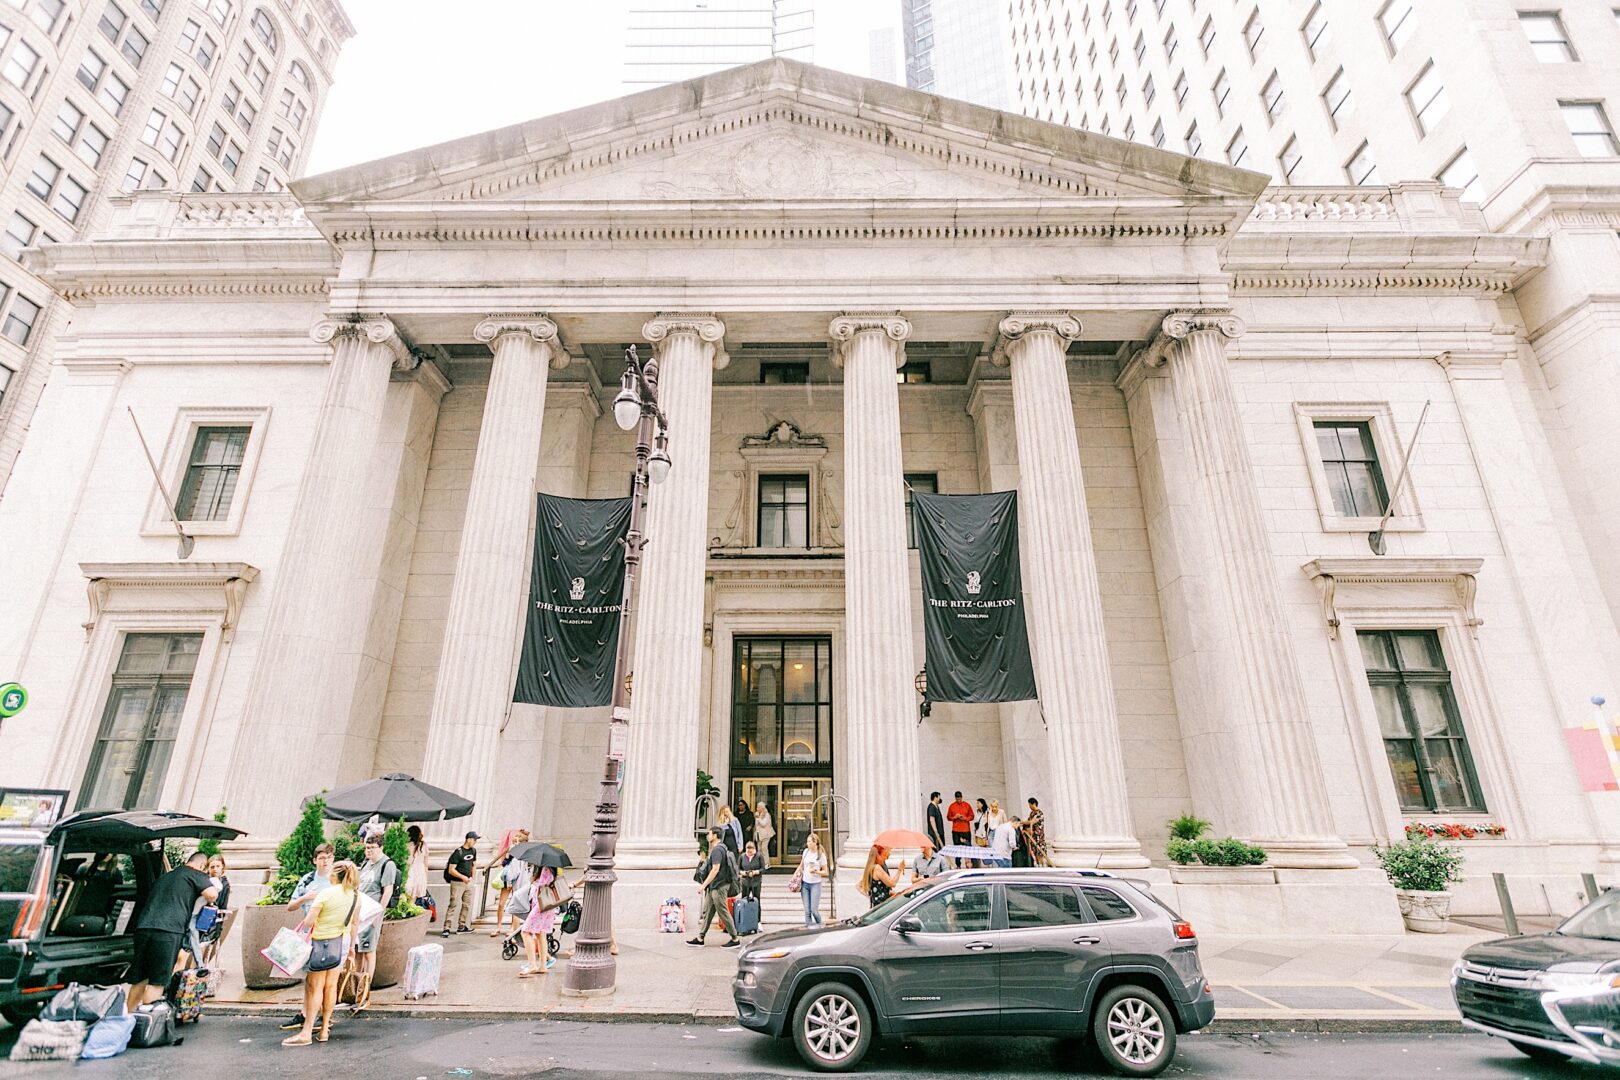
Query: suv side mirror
[{"x": 907, "y": 924}]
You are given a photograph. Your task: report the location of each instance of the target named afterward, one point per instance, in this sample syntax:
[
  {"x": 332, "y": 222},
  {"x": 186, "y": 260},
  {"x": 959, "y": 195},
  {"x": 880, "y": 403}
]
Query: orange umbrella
[{"x": 900, "y": 838}]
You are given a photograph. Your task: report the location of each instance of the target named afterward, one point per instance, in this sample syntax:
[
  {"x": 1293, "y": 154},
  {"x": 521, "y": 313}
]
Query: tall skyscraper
[
  {"x": 959, "y": 49},
  {"x": 99, "y": 98},
  {"x": 1353, "y": 91},
  {"x": 673, "y": 40}
]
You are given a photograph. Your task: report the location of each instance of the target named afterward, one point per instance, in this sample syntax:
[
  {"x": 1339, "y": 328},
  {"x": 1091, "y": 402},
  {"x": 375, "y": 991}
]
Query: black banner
[
  {"x": 575, "y": 596},
  {"x": 973, "y": 603}
]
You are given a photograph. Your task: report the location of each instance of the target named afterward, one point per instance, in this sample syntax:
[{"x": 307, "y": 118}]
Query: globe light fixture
[
  {"x": 627, "y": 406},
  {"x": 658, "y": 464}
]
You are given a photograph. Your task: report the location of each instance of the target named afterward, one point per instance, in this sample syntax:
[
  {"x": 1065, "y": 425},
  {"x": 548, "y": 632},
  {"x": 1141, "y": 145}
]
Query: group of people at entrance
[{"x": 1006, "y": 840}]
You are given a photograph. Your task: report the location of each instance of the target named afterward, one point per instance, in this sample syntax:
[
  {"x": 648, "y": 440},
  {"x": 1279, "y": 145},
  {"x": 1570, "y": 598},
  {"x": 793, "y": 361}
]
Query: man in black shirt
[
  {"x": 161, "y": 927},
  {"x": 936, "y": 820},
  {"x": 459, "y": 869},
  {"x": 717, "y": 875}
]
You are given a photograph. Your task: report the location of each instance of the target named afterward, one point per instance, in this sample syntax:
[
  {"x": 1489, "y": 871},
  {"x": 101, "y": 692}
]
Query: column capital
[
  {"x": 706, "y": 327},
  {"x": 490, "y": 329},
  {"x": 377, "y": 329},
  {"x": 1019, "y": 325},
  {"x": 848, "y": 325},
  {"x": 1180, "y": 325}
]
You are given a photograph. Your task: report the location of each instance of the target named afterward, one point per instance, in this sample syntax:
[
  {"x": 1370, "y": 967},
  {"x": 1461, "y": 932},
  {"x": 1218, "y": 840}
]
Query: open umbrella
[
  {"x": 539, "y": 854},
  {"x": 900, "y": 838},
  {"x": 395, "y": 796}
]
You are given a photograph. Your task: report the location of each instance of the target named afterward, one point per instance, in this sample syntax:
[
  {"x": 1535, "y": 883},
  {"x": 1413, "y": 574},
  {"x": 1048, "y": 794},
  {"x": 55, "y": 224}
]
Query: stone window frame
[
  {"x": 1417, "y": 593},
  {"x": 1387, "y": 444},
  {"x": 151, "y": 598},
  {"x": 176, "y": 454},
  {"x": 759, "y": 461}
]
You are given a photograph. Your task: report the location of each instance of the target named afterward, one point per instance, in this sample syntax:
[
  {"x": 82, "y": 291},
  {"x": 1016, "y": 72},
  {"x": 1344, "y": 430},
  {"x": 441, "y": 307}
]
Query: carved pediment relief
[{"x": 784, "y": 434}]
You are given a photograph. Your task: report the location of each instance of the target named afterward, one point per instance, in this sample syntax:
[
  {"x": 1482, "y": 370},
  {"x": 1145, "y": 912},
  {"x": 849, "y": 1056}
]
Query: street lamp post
[{"x": 592, "y": 968}]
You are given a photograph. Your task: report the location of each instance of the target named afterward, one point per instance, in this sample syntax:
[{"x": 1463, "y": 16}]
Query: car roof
[{"x": 122, "y": 829}]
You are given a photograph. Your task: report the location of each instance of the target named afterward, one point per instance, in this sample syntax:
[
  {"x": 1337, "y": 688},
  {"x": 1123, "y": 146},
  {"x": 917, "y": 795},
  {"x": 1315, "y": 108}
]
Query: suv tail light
[{"x": 1184, "y": 930}]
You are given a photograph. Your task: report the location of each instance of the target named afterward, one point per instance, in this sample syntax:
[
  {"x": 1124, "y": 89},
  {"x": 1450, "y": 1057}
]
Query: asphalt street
[{"x": 377, "y": 1047}]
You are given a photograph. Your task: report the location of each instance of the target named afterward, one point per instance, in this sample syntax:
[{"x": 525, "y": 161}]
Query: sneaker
[
  {"x": 732, "y": 944},
  {"x": 695, "y": 941},
  {"x": 294, "y": 1024},
  {"x": 444, "y": 933}
]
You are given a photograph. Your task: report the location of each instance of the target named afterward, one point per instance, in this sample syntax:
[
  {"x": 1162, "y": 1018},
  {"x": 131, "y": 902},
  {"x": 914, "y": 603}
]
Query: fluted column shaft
[
  {"x": 662, "y": 759},
  {"x": 295, "y": 712},
  {"x": 1285, "y": 809},
  {"x": 878, "y": 757},
  {"x": 485, "y": 615},
  {"x": 1087, "y": 812}
]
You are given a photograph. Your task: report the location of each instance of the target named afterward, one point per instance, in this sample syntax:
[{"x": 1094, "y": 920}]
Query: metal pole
[
  {"x": 1509, "y": 919},
  {"x": 593, "y": 969}
]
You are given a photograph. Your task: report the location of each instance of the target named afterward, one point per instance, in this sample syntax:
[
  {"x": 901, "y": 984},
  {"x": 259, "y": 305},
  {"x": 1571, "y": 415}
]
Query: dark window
[
  {"x": 1417, "y": 715},
  {"x": 1107, "y": 905},
  {"x": 915, "y": 371},
  {"x": 211, "y": 474},
  {"x": 784, "y": 511},
  {"x": 956, "y": 911},
  {"x": 140, "y": 722},
  {"x": 928, "y": 484},
  {"x": 782, "y": 703},
  {"x": 1351, "y": 464},
  {"x": 779, "y": 374},
  {"x": 1030, "y": 906}
]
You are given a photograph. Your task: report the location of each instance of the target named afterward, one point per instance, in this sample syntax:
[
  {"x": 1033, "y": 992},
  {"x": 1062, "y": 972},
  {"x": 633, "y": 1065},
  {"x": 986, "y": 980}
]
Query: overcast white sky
[{"x": 419, "y": 72}]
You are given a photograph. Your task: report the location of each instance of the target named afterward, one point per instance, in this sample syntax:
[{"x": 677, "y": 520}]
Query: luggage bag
[
  {"x": 745, "y": 913},
  {"x": 422, "y": 967}
]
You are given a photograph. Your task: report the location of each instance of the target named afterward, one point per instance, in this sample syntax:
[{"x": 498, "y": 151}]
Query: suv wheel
[
  {"x": 1133, "y": 1031},
  {"x": 832, "y": 1027}
]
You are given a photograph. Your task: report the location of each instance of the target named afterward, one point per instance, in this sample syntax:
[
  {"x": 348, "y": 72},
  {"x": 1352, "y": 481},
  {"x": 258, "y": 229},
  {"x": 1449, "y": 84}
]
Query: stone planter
[
  {"x": 1424, "y": 912},
  {"x": 1198, "y": 874},
  {"x": 399, "y": 937},
  {"x": 259, "y": 926}
]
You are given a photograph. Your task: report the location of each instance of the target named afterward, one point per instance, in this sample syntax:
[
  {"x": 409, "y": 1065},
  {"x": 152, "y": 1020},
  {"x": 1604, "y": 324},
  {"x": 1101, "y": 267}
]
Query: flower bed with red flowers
[{"x": 1453, "y": 830}]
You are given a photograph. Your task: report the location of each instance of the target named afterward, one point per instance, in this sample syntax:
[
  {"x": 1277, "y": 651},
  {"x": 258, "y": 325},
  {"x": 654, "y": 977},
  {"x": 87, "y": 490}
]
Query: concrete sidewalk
[{"x": 1263, "y": 983}]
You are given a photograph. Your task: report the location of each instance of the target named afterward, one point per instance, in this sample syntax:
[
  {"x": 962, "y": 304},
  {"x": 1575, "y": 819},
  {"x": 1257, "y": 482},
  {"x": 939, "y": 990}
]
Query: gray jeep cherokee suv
[{"x": 986, "y": 952}]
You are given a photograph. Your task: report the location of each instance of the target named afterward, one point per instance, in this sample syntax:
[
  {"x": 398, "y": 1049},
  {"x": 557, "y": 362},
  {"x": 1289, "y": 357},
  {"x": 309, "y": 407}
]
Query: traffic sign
[{"x": 12, "y": 699}]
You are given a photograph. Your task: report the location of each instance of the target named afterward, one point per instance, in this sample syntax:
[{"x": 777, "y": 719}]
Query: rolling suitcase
[
  {"x": 187, "y": 990},
  {"x": 422, "y": 967},
  {"x": 745, "y": 913}
]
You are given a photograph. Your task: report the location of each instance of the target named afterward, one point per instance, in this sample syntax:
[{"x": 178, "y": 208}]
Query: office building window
[
  {"x": 69, "y": 198},
  {"x": 43, "y": 178},
  {"x": 915, "y": 371},
  {"x": 1337, "y": 99},
  {"x": 1206, "y": 36},
  {"x": 1171, "y": 43},
  {"x": 202, "y": 181},
  {"x": 1289, "y": 159},
  {"x": 261, "y": 182},
  {"x": 1147, "y": 91},
  {"x": 770, "y": 374},
  {"x": 66, "y": 124},
  {"x": 1427, "y": 99},
  {"x": 1195, "y": 141},
  {"x": 928, "y": 484},
  {"x": 1462, "y": 174},
  {"x": 19, "y": 234},
  {"x": 1590, "y": 128},
  {"x": 1238, "y": 149},
  {"x": 92, "y": 145},
  {"x": 1360, "y": 168},
  {"x": 216, "y": 139},
  {"x": 211, "y": 473},
  {"x": 140, "y": 722},
  {"x": 5, "y": 380},
  {"x": 1253, "y": 32},
  {"x": 20, "y": 320},
  {"x": 784, "y": 511},
  {"x": 1181, "y": 88},
  {"x": 1350, "y": 462},
  {"x": 112, "y": 22},
  {"x": 1548, "y": 39},
  {"x": 1221, "y": 91},
  {"x": 1315, "y": 30},
  {"x": 1158, "y": 133},
  {"x": 20, "y": 65},
  {"x": 1271, "y": 95},
  {"x": 112, "y": 94},
  {"x": 133, "y": 177},
  {"x": 264, "y": 29},
  {"x": 45, "y": 13},
  {"x": 134, "y": 46},
  {"x": 1397, "y": 20},
  {"x": 1418, "y": 718}
]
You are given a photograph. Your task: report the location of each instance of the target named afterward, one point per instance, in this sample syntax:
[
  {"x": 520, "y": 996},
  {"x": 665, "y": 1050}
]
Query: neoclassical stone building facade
[{"x": 1206, "y": 394}]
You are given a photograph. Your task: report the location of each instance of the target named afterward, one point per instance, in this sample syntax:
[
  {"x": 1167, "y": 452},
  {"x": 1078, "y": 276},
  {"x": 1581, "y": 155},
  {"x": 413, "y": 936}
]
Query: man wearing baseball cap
[{"x": 459, "y": 870}]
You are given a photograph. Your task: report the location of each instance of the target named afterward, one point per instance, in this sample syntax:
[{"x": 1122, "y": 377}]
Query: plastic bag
[
  {"x": 288, "y": 952},
  {"x": 109, "y": 1037},
  {"x": 50, "y": 1040}
]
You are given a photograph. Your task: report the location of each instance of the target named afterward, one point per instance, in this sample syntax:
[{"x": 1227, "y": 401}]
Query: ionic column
[
  {"x": 878, "y": 757},
  {"x": 1283, "y": 804},
  {"x": 485, "y": 616},
  {"x": 296, "y": 712},
  {"x": 1087, "y": 812},
  {"x": 662, "y": 757}
]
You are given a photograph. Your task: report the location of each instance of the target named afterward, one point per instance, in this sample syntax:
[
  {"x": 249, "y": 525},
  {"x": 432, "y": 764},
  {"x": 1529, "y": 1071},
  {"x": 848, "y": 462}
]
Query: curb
[{"x": 1235, "y": 1026}]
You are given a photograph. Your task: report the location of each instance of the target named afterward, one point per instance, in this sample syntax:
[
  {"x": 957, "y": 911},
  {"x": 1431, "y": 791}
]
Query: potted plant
[
  {"x": 1195, "y": 860},
  {"x": 294, "y": 858},
  {"x": 1421, "y": 869},
  {"x": 404, "y": 924}
]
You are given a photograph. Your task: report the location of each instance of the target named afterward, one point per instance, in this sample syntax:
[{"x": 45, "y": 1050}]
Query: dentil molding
[
  {"x": 231, "y": 578},
  {"x": 1329, "y": 572}
]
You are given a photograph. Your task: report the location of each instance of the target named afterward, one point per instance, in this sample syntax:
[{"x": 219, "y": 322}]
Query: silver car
[{"x": 986, "y": 952}]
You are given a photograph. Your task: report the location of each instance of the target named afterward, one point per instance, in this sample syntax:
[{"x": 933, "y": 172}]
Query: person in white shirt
[
  {"x": 1003, "y": 843},
  {"x": 812, "y": 871}
]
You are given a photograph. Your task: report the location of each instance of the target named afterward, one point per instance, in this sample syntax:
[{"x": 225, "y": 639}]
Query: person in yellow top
[{"x": 331, "y": 924}]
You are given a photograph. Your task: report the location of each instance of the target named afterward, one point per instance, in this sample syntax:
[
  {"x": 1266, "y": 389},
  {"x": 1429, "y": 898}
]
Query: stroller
[{"x": 567, "y": 923}]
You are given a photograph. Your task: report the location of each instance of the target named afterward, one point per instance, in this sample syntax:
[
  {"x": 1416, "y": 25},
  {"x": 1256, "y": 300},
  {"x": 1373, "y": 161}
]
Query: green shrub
[
  {"x": 1187, "y": 827},
  {"x": 396, "y": 844},
  {"x": 295, "y": 856},
  {"x": 1420, "y": 864},
  {"x": 207, "y": 846},
  {"x": 347, "y": 845},
  {"x": 1181, "y": 850},
  {"x": 1227, "y": 852}
]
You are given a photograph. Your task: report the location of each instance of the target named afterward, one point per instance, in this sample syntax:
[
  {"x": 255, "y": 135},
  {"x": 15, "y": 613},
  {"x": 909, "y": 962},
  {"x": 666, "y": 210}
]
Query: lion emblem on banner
[
  {"x": 576, "y": 589},
  {"x": 973, "y": 583}
]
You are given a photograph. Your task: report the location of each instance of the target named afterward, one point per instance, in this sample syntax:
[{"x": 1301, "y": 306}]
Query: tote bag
[{"x": 288, "y": 952}]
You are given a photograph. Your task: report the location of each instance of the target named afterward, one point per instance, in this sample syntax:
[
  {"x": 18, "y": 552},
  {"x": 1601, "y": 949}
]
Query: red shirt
[{"x": 959, "y": 814}]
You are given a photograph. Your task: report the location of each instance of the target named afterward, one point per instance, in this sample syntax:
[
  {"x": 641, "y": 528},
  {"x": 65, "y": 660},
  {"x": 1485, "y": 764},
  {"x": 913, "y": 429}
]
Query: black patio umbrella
[
  {"x": 393, "y": 797},
  {"x": 538, "y": 854}
]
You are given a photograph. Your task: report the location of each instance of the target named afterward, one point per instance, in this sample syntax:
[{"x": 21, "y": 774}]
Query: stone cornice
[
  {"x": 844, "y": 328},
  {"x": 1381, "y": 256},
  {"x": 231, "y": 578},
  {"x": 1329, "y": 572},
  {"x": 536, "y": 326}
]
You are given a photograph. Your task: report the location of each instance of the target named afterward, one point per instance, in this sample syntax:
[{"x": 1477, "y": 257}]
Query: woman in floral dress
[
  {"x": 544, "y": 903},
  {"x": 1034, "y": 830}
]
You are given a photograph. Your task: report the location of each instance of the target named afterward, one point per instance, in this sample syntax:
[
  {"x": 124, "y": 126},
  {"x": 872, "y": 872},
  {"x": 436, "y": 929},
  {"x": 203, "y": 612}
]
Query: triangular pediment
[{"x": 778, "y": 131}]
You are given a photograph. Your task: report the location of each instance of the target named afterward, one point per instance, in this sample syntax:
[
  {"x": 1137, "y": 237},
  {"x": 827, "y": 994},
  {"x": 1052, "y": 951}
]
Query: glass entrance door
[{"x": 794, "y": 809}]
